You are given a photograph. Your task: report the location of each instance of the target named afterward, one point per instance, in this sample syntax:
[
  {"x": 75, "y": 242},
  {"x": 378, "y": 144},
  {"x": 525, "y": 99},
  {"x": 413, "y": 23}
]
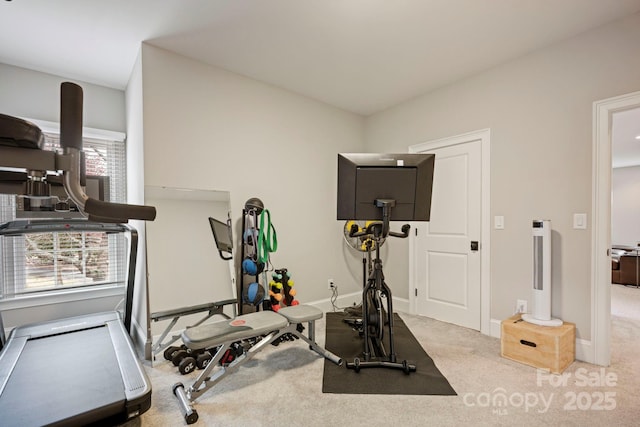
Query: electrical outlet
[
  {"x": 521, "y": 306},
  {"x": 330, "y": 284}
]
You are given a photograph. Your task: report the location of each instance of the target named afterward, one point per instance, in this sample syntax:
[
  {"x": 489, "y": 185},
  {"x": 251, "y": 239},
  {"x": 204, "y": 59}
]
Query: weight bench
[
  {"x": 211, "y": 309},
  {"x": 264, "y": 326}
]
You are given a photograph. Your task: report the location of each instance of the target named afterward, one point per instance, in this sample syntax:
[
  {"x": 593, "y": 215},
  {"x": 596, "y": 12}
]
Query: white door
[{"x": 448, "y": 263}]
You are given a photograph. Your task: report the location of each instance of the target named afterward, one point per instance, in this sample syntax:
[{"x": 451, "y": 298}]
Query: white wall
[
  {"x": 135, "y": 195},
  {"x": 210, "y": 129},
  {"x": 625, "y": 206},
  {"x": 539, "y": 110}
]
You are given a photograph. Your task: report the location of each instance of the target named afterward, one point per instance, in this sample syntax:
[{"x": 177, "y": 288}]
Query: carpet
[{"x": 342, "y": 340}]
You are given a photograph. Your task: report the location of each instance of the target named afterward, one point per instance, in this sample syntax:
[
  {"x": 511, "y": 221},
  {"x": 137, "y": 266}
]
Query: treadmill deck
[{"x": 72, "y": 371}]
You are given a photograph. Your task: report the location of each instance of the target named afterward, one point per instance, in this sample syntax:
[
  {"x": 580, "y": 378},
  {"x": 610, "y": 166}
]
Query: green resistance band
[{"x": 267, "y": 241}]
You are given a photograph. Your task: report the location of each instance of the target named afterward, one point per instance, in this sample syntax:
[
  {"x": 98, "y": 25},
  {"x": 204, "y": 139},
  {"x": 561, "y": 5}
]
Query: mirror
[{"x": 184, "y": 268}]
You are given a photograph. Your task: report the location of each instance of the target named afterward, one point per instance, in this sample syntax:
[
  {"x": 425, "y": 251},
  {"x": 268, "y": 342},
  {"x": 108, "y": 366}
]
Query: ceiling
[{"x": 362, "y": 56}]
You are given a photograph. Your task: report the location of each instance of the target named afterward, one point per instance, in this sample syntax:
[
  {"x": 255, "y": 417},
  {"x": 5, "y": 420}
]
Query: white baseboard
[
  {"x": 495, "y": 328},
  {"x": 399, "y": 304},
  {"x": 342, "y": 302},
  {"x": 140, "y": 341},
  {"x": 584, "y": 351}
]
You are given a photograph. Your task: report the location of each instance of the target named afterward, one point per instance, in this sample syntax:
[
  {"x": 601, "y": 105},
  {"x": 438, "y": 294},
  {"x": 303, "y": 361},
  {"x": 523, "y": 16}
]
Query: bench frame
[
  {"x": 207, "y": 378},
  {"x": 212, "y": 309}
]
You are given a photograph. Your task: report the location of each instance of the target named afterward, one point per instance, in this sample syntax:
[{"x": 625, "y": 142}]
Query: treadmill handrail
[{"x": 27, "y": 226}]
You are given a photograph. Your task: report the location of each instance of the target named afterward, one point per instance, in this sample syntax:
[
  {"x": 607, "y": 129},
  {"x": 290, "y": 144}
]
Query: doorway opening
[{"x": 603, "y": 112}]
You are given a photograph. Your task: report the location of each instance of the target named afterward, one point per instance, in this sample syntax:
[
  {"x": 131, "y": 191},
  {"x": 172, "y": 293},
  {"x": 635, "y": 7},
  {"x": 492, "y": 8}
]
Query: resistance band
[{"x": 267, "y": 240}]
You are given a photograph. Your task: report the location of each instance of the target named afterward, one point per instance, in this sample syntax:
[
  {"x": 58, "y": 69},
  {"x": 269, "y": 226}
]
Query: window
[{"x": 52, "y": 261}]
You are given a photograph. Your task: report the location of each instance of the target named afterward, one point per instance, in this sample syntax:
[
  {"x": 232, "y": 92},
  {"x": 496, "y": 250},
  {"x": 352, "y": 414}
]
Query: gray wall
[
  {"x": 36, "y": 95},
  {"x": 539, "y": 110},
  {"x": 210, "y": 129}
]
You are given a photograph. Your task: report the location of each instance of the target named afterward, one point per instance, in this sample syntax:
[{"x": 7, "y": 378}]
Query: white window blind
[{"x": 59, "y": 261}]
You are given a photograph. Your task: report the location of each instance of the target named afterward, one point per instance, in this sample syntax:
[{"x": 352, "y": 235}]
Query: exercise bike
[{"x": 374, "y": 316}]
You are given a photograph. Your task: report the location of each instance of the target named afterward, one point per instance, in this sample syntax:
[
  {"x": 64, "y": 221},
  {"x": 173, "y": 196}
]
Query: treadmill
[{"x": 79, "y": 370}]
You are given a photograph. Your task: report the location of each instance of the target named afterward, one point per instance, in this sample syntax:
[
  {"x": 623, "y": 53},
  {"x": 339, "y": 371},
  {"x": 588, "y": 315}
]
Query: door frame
[
  {"x": 484, "y": 136},
  {"x": 603, "y": 111}
]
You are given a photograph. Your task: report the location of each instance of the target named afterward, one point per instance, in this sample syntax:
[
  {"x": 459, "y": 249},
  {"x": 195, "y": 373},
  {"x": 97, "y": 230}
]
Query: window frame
[{"x": 63, "y": 295}]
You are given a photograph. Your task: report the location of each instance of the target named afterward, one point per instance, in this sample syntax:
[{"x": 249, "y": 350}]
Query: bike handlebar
[{"x": 371, "y": 230}]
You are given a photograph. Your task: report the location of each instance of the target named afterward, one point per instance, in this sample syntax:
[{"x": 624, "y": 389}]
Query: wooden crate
[{"x": 546, "y": 347}]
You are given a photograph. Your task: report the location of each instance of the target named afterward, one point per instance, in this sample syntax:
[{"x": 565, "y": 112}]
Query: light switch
[
  {"x": 580, "y": 221},
  {"x": 498, "y": 222}
]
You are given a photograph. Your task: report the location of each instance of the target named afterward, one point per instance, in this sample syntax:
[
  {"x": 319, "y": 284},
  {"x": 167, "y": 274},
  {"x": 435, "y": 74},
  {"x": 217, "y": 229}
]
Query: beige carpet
[{"x": 283, "y": 386}]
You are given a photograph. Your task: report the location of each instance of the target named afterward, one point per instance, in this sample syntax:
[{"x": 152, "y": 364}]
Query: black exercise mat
[{"x": 342, "y": 340}]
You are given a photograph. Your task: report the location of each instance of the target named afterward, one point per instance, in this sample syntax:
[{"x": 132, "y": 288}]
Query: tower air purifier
[{"x": 541, "y": 307}]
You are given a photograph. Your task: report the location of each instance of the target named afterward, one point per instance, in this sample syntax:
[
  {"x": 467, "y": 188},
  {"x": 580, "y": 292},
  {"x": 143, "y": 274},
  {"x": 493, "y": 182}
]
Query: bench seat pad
[
  {"x": 301, "y": 313},
  {"x": 242, "y": 327}
]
